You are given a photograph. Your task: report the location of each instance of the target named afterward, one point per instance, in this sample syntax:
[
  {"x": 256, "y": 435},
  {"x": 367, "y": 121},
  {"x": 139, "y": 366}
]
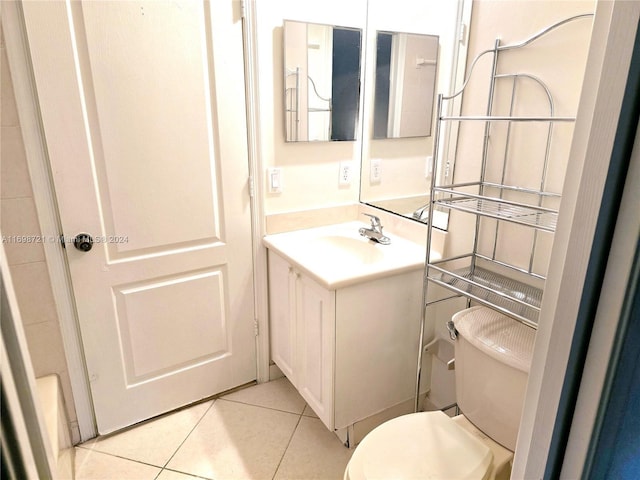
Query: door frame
[
  {"x": 257, "y": 182},
  {"x": 16, "y": 42},
  {"x": 48, "y": 217}
]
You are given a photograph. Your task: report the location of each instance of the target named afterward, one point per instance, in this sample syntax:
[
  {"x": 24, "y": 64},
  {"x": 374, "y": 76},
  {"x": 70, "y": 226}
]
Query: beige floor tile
[
  {"x": 153, "y": 442},
  {"x": 171, "y": 475},
  {"x": 236, "y": 441},
  {"x": 314, "y": 453},
  {"x": 308, "y": 412},
  {"x": 91, "y": 465},
  {"x": 278, "y": 394}
]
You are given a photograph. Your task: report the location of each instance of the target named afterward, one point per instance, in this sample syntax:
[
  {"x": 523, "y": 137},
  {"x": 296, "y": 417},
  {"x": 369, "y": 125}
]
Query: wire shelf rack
[
  {"x": 538, "y": 217},
  {"x": 512, "y": 297},
  {"x": 498, "y": 280}
]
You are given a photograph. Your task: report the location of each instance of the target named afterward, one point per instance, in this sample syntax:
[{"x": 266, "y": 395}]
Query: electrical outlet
[
  {"x": 375, "y": 175},
  {"x": 345, "y": 173}
]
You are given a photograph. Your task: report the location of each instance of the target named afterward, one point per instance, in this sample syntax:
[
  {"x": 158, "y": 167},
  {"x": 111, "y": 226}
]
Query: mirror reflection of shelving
[
  {"x": 322, "y": 81},
  {"x": 318, "y": 109}
]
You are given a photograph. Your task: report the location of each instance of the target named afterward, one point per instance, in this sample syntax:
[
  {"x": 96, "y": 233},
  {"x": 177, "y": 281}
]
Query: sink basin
[
  {"x": 337, "y": 255},
  {"x": 347, "y": 249}
]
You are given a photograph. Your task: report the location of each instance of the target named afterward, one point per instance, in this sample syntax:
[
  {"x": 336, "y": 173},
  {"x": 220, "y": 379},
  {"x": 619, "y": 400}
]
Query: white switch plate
[
  {"x": 274, "y": 180},
  {"x": 428, "y": 167},
  {"x": 345, "y": 173},
  {"x": 375, "y": 175}
]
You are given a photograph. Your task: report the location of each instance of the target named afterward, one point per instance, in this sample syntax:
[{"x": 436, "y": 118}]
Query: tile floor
[{"x": 265, "y": 431}]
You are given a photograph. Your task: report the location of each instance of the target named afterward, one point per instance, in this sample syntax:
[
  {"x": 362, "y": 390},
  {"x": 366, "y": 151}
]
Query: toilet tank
[{"x": 493, "y": 355}]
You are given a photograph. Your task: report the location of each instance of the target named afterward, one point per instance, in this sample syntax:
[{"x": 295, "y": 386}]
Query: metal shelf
[
  {"x": 511, "y": 297},
  {"x": 523, "y": 214},
  {"x": 506, "y": 118}
]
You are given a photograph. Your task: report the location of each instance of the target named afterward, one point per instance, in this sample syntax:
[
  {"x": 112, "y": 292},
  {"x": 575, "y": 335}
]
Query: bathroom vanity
[{"x": 345, "y": 319}]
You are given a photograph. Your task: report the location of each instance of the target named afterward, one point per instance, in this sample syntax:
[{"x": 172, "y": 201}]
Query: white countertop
[{"x": 337, "y": 256}]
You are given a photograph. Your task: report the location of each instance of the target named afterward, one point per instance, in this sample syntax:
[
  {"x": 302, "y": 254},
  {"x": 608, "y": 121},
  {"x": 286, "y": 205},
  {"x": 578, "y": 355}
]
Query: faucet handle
[
  {"x": 375, "y": 221},
  {"x": 375, "y": 232}
]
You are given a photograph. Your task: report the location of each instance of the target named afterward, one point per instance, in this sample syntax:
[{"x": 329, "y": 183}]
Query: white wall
[{"x": 309, "y": 169}]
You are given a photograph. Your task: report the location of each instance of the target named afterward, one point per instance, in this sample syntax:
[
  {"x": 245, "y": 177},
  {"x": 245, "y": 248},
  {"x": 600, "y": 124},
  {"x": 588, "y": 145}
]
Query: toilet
[{"x": 492, "y": 360}]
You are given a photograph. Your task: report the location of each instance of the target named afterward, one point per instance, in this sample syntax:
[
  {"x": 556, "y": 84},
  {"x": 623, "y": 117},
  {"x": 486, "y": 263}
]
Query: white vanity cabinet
[
  {"x": 302, "y": 330},
  {"x": 349, "y": 351}
]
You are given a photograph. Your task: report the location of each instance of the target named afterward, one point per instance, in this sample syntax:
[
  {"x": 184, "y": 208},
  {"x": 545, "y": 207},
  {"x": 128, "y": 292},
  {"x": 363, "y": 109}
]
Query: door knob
[{"x": 83, "y": 242}]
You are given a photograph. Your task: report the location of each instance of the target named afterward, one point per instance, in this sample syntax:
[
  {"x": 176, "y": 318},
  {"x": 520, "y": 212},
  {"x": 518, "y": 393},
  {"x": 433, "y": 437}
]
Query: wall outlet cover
[
  {"x": 346, "y": 170},
  {"x": 375, "y": 175}
]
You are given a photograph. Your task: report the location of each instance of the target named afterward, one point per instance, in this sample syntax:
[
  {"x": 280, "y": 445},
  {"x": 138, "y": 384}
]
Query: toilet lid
[{"x": 420, "y": 445}]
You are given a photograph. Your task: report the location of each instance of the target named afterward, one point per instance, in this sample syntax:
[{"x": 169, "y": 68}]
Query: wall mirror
[
  {"x": 322, "y": 81},
  {"x": 405, "y": 82},
  {"x": 394, "y": 168}
]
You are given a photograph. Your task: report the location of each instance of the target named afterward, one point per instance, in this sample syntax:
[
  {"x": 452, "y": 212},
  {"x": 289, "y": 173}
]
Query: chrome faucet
[
  {"x": 375, "y": 232},
  {"x": 422, "y": 214}
]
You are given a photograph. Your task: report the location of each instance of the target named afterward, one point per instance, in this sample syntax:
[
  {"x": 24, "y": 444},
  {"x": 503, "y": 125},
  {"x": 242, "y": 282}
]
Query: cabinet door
[
  {"x": 377, "y": 330},
  {"x": 315, "y": 346},
  {"x": 282, "y": 314}
]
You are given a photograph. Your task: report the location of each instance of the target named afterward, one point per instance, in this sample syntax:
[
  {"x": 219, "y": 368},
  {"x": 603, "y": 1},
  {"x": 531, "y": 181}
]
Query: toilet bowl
[
  {"x": 493, "y": 355},
  {"x": 429, "y": 445}
]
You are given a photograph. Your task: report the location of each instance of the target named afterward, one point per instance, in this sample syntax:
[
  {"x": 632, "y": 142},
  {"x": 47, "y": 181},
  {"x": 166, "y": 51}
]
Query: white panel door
[{"x": 143, "y": 109}]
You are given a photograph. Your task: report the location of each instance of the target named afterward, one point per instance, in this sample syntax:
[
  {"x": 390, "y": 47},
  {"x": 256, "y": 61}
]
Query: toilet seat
[{"x": 420, "y": 445}]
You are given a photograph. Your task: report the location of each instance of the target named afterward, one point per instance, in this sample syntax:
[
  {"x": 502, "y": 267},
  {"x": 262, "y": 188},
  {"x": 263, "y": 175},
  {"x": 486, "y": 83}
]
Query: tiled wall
[{"x": 18, "y": 221}]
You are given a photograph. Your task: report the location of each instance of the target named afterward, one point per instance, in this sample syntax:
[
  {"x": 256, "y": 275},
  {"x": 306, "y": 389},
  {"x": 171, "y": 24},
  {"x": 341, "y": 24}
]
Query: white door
[{"x": 144, "y": 114}]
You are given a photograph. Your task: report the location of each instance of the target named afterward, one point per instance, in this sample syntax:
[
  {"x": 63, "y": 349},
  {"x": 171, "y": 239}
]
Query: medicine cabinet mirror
[
  {"x": 322, "y": 81},
  {"x": 405, "y": 82}
]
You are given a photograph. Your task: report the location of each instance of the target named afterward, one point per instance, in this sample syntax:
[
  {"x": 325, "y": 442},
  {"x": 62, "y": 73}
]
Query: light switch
[
  {"x": 428, "y": 167},
  {"x": 274, "y": 179}
]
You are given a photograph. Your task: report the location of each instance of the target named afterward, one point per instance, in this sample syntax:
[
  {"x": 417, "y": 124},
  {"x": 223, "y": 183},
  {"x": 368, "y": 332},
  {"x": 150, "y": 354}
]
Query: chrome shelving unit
[
  {"x": 293, "y": 104},
  {"x": 500, "y": 209},
  {"x": 479, "y": 277},
  {"x": 507, "y": 295}
]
